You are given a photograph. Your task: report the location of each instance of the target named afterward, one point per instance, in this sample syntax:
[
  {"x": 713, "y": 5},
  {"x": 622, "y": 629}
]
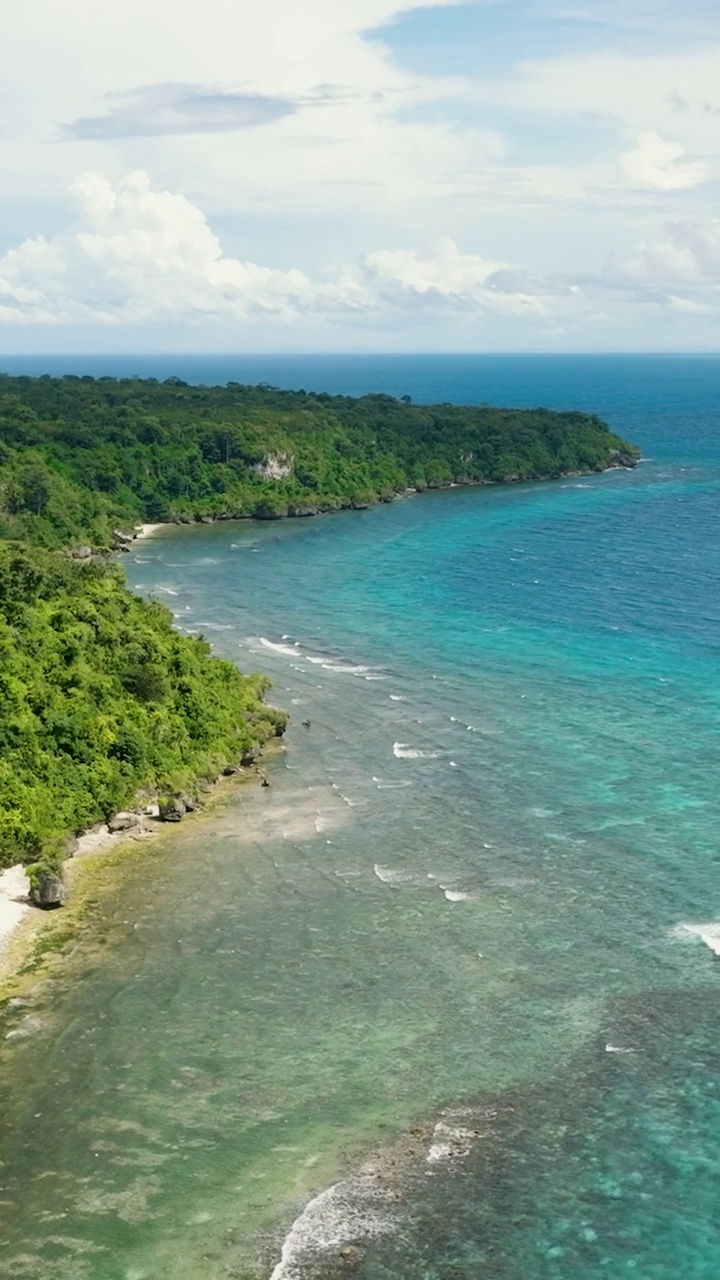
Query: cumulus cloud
[
  {"x": 663, "y": 165},
  {"x": 166, "y": 109},
  {"x": 448, "y": 277},
  {"x": 141, "y": 256},
  {"x": 685, "y": 260}
]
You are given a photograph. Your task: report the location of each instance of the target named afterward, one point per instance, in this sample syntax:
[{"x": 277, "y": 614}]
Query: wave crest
[
  {"x": 403, "y": 751},
  {"x": 709, "y": 933},
  {"x": 357, "y": 1210}
]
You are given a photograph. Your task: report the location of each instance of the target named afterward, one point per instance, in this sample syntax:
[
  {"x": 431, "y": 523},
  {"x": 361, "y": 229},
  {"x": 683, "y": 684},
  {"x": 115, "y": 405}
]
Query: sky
[{"x": 360, "y": 175}]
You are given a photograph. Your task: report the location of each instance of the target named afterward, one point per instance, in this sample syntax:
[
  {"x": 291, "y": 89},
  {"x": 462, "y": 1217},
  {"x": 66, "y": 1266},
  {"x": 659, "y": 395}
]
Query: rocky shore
[
  {"x": 123, "y": 541},
  {"x": 27, "y": 905}
]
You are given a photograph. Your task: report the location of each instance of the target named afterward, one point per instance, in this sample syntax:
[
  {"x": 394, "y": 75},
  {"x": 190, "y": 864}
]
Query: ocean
[{"x": 442, "y": 1001}]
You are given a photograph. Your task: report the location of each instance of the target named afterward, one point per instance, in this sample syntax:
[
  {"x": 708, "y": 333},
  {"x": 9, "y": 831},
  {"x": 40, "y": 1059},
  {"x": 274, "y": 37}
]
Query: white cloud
[
  {"x": 167, "y": 109},
  {"x": 662, "y": 165},
  {"x": 686, "y": 258},
  {"x": 651, "y": 97},
  {"x": 142, "y": 256},
  {"x": 299, "y": 137},
  {"x": 448, "y": 278},
  {"x": 139, "y": 256}
]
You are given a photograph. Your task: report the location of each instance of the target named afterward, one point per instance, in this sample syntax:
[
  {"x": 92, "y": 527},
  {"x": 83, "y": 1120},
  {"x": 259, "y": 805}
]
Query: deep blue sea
[{"x": 443, "y": 1001}]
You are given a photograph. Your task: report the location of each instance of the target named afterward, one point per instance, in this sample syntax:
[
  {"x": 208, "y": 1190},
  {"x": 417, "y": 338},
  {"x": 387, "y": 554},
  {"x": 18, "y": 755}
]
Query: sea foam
[
  {"x": 289, "y": 651},
  {"x": 403, "y": 751},
  {"x": 451, "y": 1140},
  {"x": 709, "y": 933},
  {"x": 353, "y": 1211},
  {"x": 403, "y": 877},
  {"x": 325, "y": 662}
]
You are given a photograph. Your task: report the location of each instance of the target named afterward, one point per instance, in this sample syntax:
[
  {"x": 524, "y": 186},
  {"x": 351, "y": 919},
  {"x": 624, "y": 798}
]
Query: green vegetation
[
  {"x": 82, "y": 456},
  {"x": 100, "y": 697}
]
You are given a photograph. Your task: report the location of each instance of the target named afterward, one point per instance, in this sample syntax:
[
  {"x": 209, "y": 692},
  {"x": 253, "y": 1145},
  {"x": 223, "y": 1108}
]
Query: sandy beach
[
  {"x": 14, "y": 904},
  {"x": 147, "y": 530}
]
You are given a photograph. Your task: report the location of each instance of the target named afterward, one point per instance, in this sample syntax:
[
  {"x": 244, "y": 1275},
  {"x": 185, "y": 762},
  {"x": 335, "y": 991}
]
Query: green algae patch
[{"x": 44, "y": 939}]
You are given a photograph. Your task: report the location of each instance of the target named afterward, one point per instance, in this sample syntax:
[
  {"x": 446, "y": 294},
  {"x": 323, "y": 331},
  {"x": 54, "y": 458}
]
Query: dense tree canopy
[
  {"x": 99, "y": 695},
  {"x": 77, "y": 455}
]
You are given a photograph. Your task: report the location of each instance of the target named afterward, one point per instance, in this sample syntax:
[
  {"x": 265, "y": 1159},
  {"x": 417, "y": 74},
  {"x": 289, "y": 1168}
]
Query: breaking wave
[
  {"x": 288, "y": 648},
  {"x": 351, "y": 1212},
  {"x": 403, "y": 751},
  {"x": 709, "y": 933}
]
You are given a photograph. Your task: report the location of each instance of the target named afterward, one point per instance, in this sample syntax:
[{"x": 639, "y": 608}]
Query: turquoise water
[{"x": 461, "y": 928}]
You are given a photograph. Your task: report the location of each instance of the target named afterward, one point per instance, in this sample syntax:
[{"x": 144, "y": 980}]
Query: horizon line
[{"x": 390, "y": 355}]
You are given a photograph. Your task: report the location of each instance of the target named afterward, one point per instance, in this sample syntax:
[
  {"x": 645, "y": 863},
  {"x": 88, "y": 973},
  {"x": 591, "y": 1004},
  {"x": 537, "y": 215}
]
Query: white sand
[
  {"x": 147, "y": 530},
  {"x": 14, "y": 904}
]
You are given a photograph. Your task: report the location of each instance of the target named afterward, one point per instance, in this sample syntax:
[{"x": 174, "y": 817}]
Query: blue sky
[
  {"x": 360, "y": 174},
  {"x": 482, "y": 39}
]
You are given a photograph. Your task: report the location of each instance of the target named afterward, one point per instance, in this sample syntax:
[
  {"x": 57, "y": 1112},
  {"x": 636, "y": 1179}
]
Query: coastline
[
  {"x": 306, "y": 511},
  {"x": 14, "y": 905},
  {"x": 19, "y": 918},
  {"x": 22, "y": 923},
  {"x": 142, "y": 531}
]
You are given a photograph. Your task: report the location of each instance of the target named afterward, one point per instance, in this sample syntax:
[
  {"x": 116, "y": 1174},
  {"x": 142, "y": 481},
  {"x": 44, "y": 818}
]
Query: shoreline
[
  {"x": 142, "y": 531},
  {"x": 15, "y": 906},
  {"x": 16, "y": 909},
  {"x": 21, "y": 922},
  {"x": 303, "y": 512}
]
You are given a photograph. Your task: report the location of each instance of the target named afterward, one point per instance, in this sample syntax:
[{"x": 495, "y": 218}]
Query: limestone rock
[
  {"x": 123, "y": 822},
  {"x": 190, "y": 805},
  {"x": 275, "y": 466},
  {"x": 171, "y": 809},
  {"x": 48, "y": 891}
]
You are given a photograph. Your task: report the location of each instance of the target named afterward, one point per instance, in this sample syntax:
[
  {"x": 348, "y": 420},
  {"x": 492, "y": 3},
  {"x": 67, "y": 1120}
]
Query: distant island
[{"x": 102, "y": 699}]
